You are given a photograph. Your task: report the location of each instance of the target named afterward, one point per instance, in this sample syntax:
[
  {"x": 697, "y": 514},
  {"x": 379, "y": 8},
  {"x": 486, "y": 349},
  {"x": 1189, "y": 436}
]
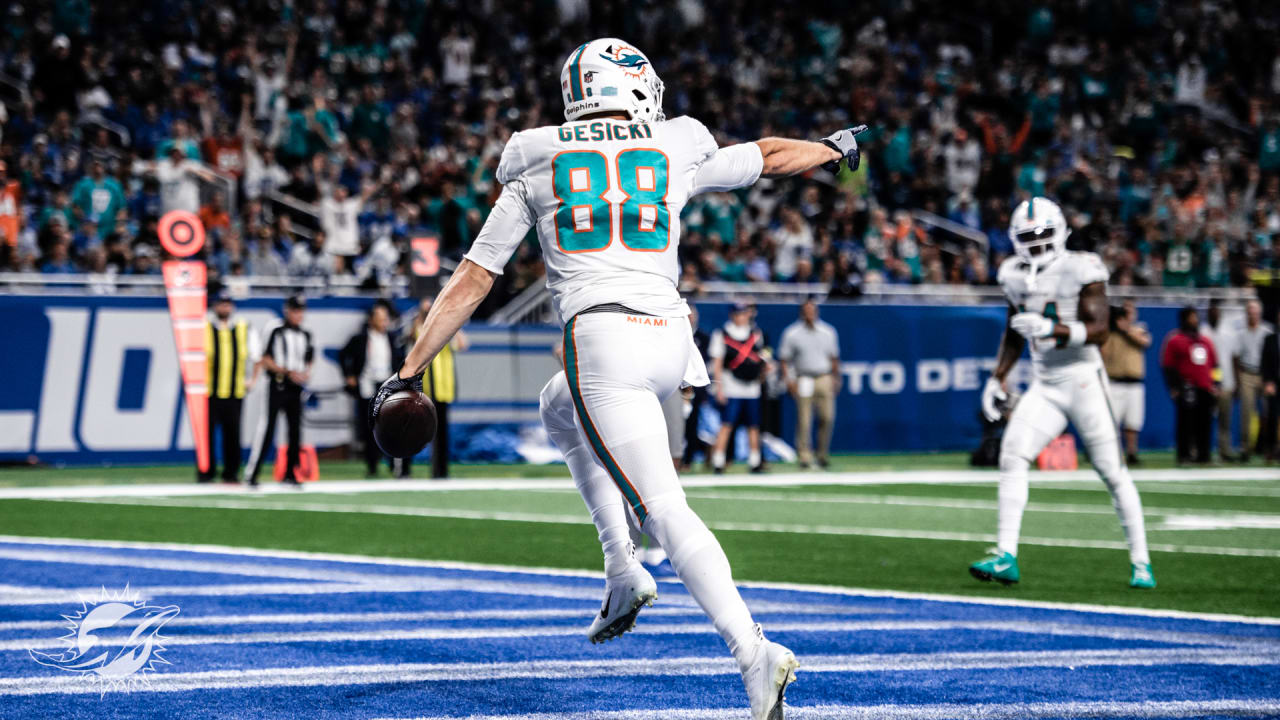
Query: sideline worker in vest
[
  {"x": 440, "y": 383},
  {"x": 232, "y": 355}
]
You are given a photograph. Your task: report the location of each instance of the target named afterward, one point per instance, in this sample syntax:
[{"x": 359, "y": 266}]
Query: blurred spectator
[
  {"x": 1223, "y": 338},
  {"x": 10, "y": 208},
  {"x": 693, "y": 444},
  {"x": 1157, "y": 130},
  {"x": 738, "y": 365},
  {"x": 1268, "y": 439},
  {"x": 264, "y": 260},
  {"x": 214, "y": 216},
  {"x": 58, "y": 258},
  {"x": 809, "y": 354},
  {"x": 368, "y": 358},
  {"x": 1190, "y": 373},
  {"x": 338, "y": 216},
  {"x": 99, "y": 199},
  {"x": 1124, "y": 355},
  {"x": 1252, "y": 339},
  {"x": 177, "y": 176},
  {"x": 311, "y": 259}
]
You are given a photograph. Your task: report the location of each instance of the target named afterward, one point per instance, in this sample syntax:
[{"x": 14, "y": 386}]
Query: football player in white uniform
[
  {"x": 1057, "y": 303},
  {"x": 605, "y": 191}
]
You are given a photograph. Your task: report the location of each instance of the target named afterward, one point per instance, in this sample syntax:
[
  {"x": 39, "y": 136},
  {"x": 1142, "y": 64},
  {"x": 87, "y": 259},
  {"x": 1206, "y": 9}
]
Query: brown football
[{"x": 405, "y": 424}]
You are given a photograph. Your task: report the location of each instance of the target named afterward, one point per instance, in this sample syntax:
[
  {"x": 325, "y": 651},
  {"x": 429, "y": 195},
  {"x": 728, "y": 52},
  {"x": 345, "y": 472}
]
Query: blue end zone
[{"x": 283, "y": 636}]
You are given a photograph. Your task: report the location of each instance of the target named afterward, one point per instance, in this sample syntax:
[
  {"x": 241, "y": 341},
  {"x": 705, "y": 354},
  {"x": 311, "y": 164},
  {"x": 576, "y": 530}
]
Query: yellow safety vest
[
  {"x": 442, "y": 381},
  {"x": 228, "y": 353}
]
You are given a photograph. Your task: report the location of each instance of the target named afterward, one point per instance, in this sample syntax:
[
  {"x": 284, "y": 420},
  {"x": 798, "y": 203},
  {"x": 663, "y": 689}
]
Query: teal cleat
[
  {"x": 1142, "y": 577},
  {"x": 999, "y": 566}
]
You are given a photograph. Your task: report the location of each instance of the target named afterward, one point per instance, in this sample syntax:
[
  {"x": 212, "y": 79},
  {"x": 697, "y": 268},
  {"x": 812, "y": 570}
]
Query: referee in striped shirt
[{"x": 287, "y": 356}]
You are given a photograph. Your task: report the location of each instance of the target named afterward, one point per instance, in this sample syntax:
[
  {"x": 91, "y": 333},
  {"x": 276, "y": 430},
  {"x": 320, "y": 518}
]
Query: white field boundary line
[
  {"x": 576, "y": 613},
  {"x": 1233, "y": 643},
  {"x": 954, "y": 503},
  {"x": 1002, "y": 711},
  {"x": 44, "y": 684},
  {"x": 884, "y": 477},
  {"x": 301, "y": 505},
  {"x": 597, "y": 575},
  {"x": 323, "y": 580}
]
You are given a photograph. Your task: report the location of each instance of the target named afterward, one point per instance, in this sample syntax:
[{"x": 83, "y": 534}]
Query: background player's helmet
[
  {"x": 610, "y": 75},
  {"x": 1039, "y": 231}
]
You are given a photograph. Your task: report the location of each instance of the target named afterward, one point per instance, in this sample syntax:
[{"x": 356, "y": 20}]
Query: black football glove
[
  {"x": 845, "y": 143},
  {"x": 389, "y": 387}
]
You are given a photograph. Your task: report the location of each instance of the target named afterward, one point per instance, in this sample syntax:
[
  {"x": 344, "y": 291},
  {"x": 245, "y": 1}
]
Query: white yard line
[
  {"x": 444, "y": 634},
  {"x": 646, "y": 667},
  {"x": 941, "y": 711},
  {"x": 562, "y": 572},
  {"x": 786, "y": 528},
  {"x": 574, "y": 613},
  {"x": 940, "y": 502},
  {"x": 912, "y": 477}
]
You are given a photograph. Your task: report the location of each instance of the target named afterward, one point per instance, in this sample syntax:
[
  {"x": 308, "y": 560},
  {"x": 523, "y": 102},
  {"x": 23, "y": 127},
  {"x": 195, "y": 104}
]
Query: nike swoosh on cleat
[
  {"x": 1001, "y": 568},
  {"x": 604, "y": 609}
]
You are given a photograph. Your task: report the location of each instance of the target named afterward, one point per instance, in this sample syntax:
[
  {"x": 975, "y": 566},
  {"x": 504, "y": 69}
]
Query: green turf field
[{"x": 1215, "y": 534}]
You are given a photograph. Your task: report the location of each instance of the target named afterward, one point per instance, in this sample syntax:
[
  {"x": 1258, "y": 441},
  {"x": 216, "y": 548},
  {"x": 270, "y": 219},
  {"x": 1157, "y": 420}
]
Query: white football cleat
[
  {"x": 771, "y": 670},
  {"x": 624, "y": 595}
]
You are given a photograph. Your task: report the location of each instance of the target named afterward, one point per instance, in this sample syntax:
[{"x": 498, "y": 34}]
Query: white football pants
[
  {"x": 1041, "y": 415},
  {"x": 618, "y": 369}
]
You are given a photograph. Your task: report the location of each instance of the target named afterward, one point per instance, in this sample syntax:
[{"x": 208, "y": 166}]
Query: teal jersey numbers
[
  {"x": 584, "y": 217},
  {"x": 646, "y": 220},
  {"x": 584, "y": 220}
]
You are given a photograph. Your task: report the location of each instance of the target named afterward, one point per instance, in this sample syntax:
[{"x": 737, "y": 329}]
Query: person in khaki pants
[
  {"x": 1249, "y": 372},
  {"x": 1225, "y": 344},
  {"x": 810, "y": 356}
]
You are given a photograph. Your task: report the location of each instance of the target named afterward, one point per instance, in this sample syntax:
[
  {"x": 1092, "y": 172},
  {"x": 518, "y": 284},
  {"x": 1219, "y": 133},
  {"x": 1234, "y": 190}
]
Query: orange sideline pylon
[{"x": 184, "y": 284}]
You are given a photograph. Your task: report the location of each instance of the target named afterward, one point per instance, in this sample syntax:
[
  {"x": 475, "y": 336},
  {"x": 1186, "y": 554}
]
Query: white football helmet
[
  {"x": 1039, "y": 231},
  {"x": 610, "y": 75}
]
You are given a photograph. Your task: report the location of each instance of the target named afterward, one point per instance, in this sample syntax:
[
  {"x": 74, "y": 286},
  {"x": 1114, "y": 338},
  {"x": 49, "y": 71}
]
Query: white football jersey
[
  {"x": 606, "y": 197},
  {"x": 1055, "y": 294}
]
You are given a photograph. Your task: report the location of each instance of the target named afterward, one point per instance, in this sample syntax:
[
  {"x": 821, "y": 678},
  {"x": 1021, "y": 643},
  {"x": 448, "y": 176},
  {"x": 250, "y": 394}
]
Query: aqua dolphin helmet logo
[
  {"x": 120, "y": 661},
  {"x": 627, "y": 58}
]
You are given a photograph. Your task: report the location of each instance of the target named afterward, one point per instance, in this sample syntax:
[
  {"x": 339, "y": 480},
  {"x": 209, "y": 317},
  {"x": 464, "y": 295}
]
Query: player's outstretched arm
[
  {"x": 784, "y": 157},
  {"x": 452, "y": 309}
]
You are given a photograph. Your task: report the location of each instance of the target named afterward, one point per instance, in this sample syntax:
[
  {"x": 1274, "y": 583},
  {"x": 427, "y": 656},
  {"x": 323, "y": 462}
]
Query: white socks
[
  {"x": 1012, "y": 501},
  {"x": 702, "y": 566},
  {"x": 718, "y": 459},
  {"x": 1124, "y": 497}
]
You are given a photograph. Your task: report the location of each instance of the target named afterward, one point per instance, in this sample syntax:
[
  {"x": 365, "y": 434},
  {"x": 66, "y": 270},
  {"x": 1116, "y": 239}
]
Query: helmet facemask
[{"x": 1039, "y": 246}]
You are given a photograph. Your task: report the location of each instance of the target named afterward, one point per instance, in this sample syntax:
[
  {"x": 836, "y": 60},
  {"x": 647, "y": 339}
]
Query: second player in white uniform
[
  {"x": 1057, "y": 303},
  {"x": 605, "y": 191}
]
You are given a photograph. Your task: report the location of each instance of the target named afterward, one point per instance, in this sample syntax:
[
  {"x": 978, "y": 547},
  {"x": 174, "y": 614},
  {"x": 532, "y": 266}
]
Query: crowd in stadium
[{"x": 348, "y": 127}]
